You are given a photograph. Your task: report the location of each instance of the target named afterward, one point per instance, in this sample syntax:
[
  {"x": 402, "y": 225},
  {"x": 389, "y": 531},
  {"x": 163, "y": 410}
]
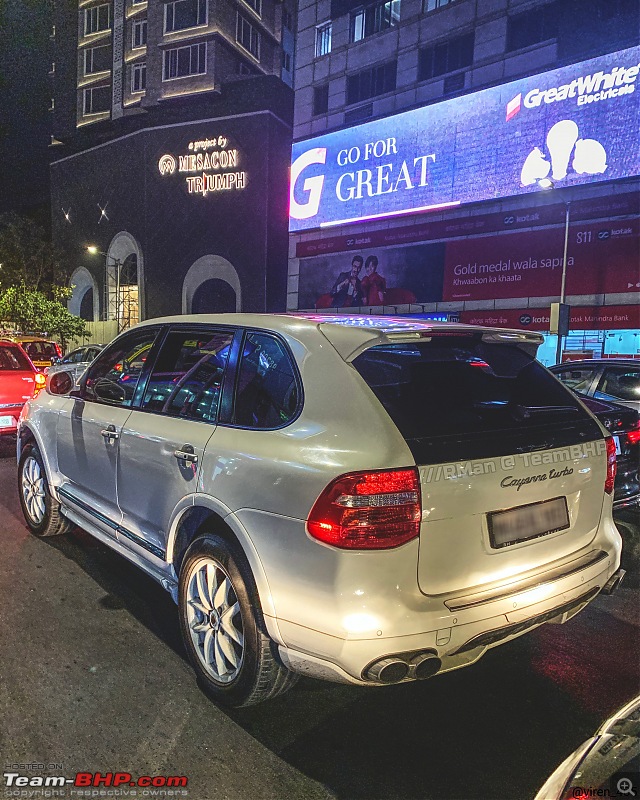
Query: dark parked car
[
  {"x": 624, "y": 425},
  {"x": 615, "y": 379}
]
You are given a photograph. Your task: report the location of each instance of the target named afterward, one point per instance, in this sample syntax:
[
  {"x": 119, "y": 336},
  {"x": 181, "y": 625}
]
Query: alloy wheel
[
  {"x": 214, "y": 619},
  {"x": 33, "y": 490}
]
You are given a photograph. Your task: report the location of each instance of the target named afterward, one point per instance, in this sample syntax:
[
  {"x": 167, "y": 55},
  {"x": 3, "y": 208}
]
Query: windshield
[{"x": 484, "y": 396}]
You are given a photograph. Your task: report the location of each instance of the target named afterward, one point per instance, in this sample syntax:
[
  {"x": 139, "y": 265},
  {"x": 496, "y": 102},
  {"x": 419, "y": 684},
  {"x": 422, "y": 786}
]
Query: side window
[
  {"x": 267, "y": 391},
  {"x": 620, "y": 382},
  {"x": 187, "y": 377},
  {"x": 114, "y": 376},
  {"x": 577, "y": 379}
]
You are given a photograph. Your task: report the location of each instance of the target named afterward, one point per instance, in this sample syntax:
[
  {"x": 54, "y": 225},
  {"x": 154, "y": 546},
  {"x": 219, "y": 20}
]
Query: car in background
[
  {"x": 623, "y": 424},
  {"x": 19, "y": 381},
  {"x": 77, "y": 360},
  {"x": 606, "y": 765},
  {"x": 615, "y": 379},
  {"x": 368, "y": 500},
  {"x": 42, "y": 352}
]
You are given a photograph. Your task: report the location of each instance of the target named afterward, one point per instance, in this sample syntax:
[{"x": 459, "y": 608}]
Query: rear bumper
[{"x": 462, "y": 635}]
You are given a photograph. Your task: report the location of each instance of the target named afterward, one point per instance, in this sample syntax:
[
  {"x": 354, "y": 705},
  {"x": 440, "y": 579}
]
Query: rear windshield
[
  {"x": 11, "y": 358},
  {"x": 460, "y": 397},
  {"x": 37, "y": 351}
]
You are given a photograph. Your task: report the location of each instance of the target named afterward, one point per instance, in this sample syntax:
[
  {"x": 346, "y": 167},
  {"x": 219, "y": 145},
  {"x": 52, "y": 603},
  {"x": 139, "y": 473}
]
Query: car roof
[{"x": 350, "y": 334}]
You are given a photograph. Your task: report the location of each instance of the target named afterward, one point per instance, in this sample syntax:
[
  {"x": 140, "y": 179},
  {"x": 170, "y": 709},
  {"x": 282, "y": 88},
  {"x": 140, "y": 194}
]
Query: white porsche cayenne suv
[{"x": 367, "y": 500}]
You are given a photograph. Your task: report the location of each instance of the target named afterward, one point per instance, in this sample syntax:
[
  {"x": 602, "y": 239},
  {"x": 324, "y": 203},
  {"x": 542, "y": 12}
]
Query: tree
[
  {"x": 32, "y": 312},
  {"x": 26, "y": 257}
]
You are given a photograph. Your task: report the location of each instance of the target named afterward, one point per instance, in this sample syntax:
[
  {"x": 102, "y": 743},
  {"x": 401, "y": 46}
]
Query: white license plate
[
  {"x": 616, "y": 439},
  {"x": 521, "y": 523},
  {"x": 7, "y": 422}
]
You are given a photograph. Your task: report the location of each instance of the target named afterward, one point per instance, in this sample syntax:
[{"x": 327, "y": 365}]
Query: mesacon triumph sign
[{"x": 573, "y": 125}]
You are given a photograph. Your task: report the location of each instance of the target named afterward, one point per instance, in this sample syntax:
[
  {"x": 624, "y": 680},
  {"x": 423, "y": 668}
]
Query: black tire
[
  {"x": 255, "y": 672},
  {"x": 43, "y": 519}
]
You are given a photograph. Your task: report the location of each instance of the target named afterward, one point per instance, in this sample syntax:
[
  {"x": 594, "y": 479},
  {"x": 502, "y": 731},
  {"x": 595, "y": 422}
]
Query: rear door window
[
  {"x": 267, "y": 390},
  {"x": 459, "y": 397},
  {"x": 186, "y": 380},
  {"x": 39, "y": 351},
  {"x": 622, "y": 383},
  {"x": 12, "y": 358}
]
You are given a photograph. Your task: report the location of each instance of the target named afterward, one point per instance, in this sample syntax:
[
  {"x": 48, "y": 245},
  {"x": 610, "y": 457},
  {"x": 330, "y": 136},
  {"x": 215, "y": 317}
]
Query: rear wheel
[
  {"x": 223, "y": 627},
  {"x": 41, "y": 511}
]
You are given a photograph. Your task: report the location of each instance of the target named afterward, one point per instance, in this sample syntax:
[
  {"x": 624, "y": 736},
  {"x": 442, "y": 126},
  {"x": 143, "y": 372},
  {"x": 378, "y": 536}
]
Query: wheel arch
[
  {"x": 27, "y": 435},
  {"x": 206, "y": 516}
]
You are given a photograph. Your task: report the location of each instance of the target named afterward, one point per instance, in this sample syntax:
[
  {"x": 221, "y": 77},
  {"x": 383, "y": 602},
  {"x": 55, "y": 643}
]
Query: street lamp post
[{"x": 107, "y": 296}]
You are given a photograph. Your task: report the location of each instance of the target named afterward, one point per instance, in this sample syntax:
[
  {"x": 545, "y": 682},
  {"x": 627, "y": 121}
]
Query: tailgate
[{"x": 489, "y": 519}]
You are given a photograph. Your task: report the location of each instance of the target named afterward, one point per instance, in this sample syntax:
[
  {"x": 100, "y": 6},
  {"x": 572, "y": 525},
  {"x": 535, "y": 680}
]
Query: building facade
[
  {"x": 170, "y": 154},
  {"x": 424, "y": 133}
]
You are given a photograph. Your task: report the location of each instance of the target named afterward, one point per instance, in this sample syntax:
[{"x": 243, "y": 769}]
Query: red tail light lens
[
  {"x": 633, "y": 437},
  {"x": 368, "y": 510},
  {"x": 611, "y": 465}
]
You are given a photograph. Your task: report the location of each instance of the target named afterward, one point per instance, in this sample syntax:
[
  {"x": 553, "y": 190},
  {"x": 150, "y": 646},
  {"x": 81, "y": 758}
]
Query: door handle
[
  {"x": 110, "y": 433},
  {"x": 186, "y": 454}
]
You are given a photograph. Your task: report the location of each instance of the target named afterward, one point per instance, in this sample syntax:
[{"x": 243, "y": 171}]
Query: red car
[{"x": 19, "y": 382}]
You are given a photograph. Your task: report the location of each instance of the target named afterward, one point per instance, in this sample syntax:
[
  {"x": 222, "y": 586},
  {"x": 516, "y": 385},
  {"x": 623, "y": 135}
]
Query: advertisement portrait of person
[
  {"x": 347, "y": 290},
  {"x": 373, "y": 284}
]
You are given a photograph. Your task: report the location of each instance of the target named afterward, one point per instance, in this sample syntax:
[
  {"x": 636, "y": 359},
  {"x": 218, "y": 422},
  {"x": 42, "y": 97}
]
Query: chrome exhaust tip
[
  {"x": 614, "y": 582},
  {"x": 388, "y": 670},
  {"x": 425, "y": 665}
]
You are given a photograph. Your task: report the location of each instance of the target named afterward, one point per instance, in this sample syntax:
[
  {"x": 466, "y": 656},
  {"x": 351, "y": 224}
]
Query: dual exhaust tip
[
  {"x": 614, "y": 582},
  {"x": 394, "y": 669}
]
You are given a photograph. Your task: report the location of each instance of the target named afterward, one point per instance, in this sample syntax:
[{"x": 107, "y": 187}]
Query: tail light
[
  {"x": 58, "y": 349},
  {"x": 611, "y": 465},
  {"x": 633, "y": 437},
  {"x": 41, "y": 380},
  {"x": 368, "y": 510}
]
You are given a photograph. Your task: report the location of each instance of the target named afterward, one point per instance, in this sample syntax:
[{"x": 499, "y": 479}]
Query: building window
[
  {"x": 97, "y": 100},
  {"x": 137, "y": 2},
  {"x": 320, "y": 99},
  {"x": 371, "y": 82},
  {"x": 373, "y": 19},
  {"x": 286, "y": 61},
  {"x": 256, "y": 5},
  {"x": 182, "y": 61},
  {"x": 287, "y": 19},
  {"x": 532, "y": 27},
  {"x": 184, "y": 14},
  {"x": 97, "y": 59},
  {"x": 247, "y": 36},
  {"x": 323, "y": 39},
  {"x": 432, "y": 5},
  {"x": 97, "y": 19},
  {"x": 138, "y": 77},
  {"x": 445, "y": 57},
  {"x": 139, "y": 33}
]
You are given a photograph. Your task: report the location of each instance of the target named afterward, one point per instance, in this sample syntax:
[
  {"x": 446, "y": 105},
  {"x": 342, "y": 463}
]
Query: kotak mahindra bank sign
[{"x": 577, "y": 124}]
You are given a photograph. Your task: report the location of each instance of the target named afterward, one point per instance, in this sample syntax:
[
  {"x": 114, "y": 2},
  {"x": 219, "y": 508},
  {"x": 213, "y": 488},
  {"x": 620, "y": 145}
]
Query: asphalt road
[{"x": 93, "y": 678}]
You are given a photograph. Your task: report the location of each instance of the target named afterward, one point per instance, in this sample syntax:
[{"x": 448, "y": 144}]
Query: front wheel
[
  {"x": 223, "y": 627},
  {"x": 41, "y": 511}
]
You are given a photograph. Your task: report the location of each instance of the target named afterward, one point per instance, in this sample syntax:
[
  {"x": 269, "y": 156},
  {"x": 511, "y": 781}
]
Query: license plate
[
  {"x": 7, "y": 422},
  {"x": 522, "y": 523},
  {"x": 616, "y": 439}
]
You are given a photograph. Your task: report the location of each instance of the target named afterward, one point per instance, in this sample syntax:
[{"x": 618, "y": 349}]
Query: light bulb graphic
[
  {"x": 534, "y": 168},
  {"x": 589, "y": 157},
  {"x": 560, "y": 141}
]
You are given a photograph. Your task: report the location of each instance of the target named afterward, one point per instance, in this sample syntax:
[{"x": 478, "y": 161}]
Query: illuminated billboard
[{"x": 569, "y": 126}]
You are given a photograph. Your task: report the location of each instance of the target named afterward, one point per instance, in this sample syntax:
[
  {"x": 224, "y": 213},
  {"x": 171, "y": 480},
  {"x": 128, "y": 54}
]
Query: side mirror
[{"x": 61, "y": 383}]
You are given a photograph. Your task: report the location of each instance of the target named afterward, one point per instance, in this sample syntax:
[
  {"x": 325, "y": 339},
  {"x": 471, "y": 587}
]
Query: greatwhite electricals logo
[
  {"x": 586, "y": 88},
  {"x": 589, "y": 156},
  {"x": 312, "y": 185}
]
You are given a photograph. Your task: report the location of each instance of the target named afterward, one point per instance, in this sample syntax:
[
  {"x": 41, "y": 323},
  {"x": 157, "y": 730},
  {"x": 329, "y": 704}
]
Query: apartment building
[{"x": 136, "y": 81}]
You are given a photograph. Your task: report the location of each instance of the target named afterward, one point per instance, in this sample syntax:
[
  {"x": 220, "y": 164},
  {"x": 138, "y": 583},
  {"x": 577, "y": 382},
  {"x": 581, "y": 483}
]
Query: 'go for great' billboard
[{"x": 573, "y": 125}]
